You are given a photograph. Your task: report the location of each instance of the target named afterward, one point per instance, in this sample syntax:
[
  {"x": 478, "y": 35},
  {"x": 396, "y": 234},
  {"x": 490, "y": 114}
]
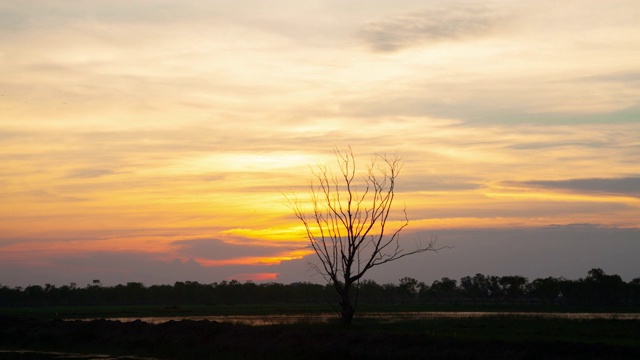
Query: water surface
[
  {"x": 258, "y": 320},
  {"x": 54, "y": 355}
]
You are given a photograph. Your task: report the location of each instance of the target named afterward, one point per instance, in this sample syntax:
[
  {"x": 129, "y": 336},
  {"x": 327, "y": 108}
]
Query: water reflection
[
  {"x": 261, "y": 320},
  {"x": 51, "y": 355},
  {"x": 256, "y": 320}
]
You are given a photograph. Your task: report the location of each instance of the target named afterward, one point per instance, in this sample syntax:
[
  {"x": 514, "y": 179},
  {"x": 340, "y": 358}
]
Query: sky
[{"x": 155, "y": 141}]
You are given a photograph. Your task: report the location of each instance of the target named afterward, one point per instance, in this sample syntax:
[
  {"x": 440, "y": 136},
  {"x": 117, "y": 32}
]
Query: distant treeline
[{"x": 597, "y": 289}]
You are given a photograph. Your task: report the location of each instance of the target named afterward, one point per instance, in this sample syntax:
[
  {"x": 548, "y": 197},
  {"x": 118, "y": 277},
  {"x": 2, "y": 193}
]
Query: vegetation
[
  {"x": 505, "y": 336},
  {"x": 348, "y": 226},
  {"x": 494, "y": 337},
  {"x": 597, "y": 289}
]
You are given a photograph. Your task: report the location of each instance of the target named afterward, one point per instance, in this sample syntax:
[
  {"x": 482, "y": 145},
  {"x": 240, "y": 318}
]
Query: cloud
[
  {"x": 11, "y": 21},
  {"x": 535, "y": 145},
  {"x": 88, "y": 173},
  {"x": 436, "y": 183},
  {"x": 113, "y": 268},
  {"x": 215, "y": 249},
  {"x": 534, "y": 252},
  {"x": 429, "y": 26},
  {"x": 623, "y": 186},
  {"x": 256, "y": 277},
  {"x": 625, "y": 77},
  {"x": 560, "y": 250},
  {"x": 188, "y": 127}
]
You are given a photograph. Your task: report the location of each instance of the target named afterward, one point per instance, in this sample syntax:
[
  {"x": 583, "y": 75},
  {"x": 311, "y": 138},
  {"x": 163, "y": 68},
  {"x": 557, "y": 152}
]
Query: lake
[
  {"x": 52, "y": 355},
  {"x": 261, "y": 320}
]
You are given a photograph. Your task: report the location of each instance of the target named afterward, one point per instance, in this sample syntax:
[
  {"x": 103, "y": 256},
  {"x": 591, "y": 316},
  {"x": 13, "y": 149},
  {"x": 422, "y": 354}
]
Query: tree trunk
[{"x": 347, "y": 309}]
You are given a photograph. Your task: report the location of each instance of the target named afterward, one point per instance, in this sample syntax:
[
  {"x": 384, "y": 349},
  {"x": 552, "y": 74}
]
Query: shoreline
[{"x": 419, "y": 339}]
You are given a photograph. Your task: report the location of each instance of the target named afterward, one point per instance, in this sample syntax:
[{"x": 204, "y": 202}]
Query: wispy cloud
[
  {"x": 629, "y": 186},
  {"x": 88, "y": 173},
  {"x": 216, "y": 249},
  {"x": 631, "y": 78},
  {"x": 428, "y": 26},
  {"x": 137, "y": 125}
]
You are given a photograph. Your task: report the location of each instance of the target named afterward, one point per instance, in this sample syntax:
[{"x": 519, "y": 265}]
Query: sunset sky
[{"x": 153, "y": 141}]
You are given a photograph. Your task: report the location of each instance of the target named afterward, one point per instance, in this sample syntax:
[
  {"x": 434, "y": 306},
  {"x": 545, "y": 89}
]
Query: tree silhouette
[
  {"x": 546, "y": 290},
  {"x": 597, "y": 289},
  {"x": 348, "y": 223},
  {"x": 408, "y": 289}
]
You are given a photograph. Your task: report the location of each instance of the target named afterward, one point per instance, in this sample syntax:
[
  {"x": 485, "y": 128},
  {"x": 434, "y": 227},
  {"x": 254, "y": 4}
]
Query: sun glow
[
  {"x": 292, "y": 234},
  {"x": 248, "y": 162},
  {"x": 257, "y": 260},
  {"x": 117, "y": 143},
  {"x": 265, "y": 276}
]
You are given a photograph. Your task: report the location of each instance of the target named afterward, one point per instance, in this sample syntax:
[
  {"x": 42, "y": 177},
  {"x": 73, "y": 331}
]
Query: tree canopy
[{"x": 596, "y": 289}]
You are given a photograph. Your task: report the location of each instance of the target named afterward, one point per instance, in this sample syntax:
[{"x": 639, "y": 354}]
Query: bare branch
[{"x": 348, "y": 228}]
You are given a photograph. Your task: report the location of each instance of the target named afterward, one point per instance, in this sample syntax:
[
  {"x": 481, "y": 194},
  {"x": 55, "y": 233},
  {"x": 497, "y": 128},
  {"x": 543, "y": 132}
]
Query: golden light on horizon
[
  {"x": 262, "y": 260},
  {"x": 124, "y": 131}
]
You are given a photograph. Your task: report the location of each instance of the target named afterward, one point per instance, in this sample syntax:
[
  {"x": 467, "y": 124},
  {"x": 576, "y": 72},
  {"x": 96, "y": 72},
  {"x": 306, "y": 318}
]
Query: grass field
[
  {"x": 91, "y": 312},
  {"x": 495, "y": 337},
  {"x": 499, "y": 336}
]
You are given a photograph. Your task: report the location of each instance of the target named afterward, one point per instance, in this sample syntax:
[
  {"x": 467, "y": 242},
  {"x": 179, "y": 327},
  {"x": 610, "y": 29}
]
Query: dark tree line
[{"x": 596, "y": 289}]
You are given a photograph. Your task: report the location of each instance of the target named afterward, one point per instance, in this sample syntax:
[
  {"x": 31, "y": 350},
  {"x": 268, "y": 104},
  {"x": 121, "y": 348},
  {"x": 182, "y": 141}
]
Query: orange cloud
[
  {"x": 254, "y": 277},
  {"x": 257, "y": 260}
]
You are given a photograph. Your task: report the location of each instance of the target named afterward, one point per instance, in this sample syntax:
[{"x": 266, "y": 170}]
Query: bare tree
[{"x": 348, "y": 221}]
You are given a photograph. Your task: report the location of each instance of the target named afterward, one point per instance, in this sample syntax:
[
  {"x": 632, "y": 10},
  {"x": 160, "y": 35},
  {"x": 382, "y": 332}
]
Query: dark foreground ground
[{"x": 500, "y": 338}]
